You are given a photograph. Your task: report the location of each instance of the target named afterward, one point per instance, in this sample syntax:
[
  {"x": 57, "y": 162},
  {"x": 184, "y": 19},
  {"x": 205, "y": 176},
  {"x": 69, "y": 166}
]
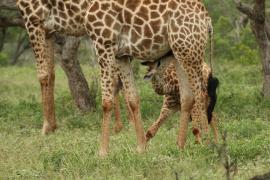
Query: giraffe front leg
[
  {"x": 133, "y": 101},
  {"x": 43, "y": 50},
  {"x": 165, "y": 112},
  {"x": 107, "y": 64},
  {"x": 118, "y": 126}
]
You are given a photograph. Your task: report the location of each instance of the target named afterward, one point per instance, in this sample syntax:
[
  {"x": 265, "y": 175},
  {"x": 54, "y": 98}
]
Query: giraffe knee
[
  {"x": 45, "y": 79},
  {"x": 187, "y": 103},
  {"x": 107, "y": 105},
  {"x": 134, "y": 103}
]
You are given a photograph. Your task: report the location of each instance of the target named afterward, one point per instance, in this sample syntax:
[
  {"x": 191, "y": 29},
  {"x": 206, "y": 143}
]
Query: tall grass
[{"x": 71, "y": 152}]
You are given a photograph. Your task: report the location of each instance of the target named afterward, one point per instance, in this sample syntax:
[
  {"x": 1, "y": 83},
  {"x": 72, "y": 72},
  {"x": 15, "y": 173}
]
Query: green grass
[{"x": 71, "y": 152}]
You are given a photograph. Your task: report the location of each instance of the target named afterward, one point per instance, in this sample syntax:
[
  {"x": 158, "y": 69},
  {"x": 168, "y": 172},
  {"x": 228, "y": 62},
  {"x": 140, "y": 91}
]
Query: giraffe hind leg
[
  {"x": 186, "y": 100},
  {"x": 133, "y": 101}
]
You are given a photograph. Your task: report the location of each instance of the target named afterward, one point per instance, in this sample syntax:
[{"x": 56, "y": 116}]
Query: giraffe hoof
[
  {"x": 103, "y": 154},
  {"x": 118, "y": 128},
  {"x": 181, "y": 145},
  {"x": 198, "y": 142},
  {"x": 47, "y": 128},
  {"x": 141, "y": 149}
]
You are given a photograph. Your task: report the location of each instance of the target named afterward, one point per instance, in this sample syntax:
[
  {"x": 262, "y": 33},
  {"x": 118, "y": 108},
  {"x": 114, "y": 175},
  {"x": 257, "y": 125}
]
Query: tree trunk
[
  {"x": 2, "y": 38},
  {"x": 76, "y": 80},
  {"x": 260, "y": 28}
]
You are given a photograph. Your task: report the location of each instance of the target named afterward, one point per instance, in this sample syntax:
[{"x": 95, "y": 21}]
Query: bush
[{"x": 3, "y": 59}]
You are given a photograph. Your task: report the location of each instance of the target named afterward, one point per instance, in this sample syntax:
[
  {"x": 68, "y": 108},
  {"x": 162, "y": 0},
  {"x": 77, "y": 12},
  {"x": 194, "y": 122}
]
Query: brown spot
[
  {"x": 127, "y": 17},
  {"x": 28, "y": 10},
  {"x": 106, "y": 33},
  {"x": 105, "y": 6},
  {"x": 94, "y": 7},
  {"x": 155, "y": 25},
  {"x": 138, "y": 29},
  {"x": 70, "y": 13},
  {"x": 76, "y": 1},
  {"x": 134, "y": 36},
  {"x": 146, "y": 2},
  {"x": 98, "y": 24},
  {"x": 146, "y": 43},
  {"x": 154, "y": 15},
  {"x": 33, "y": 18},
  {"x": 138, "y": 21},
  {"x": 57, "y": 19},
  {"x": 84, "y": 5},
  {"x": 158, "y": 39},
  {"x": 63, "y": 15},
  {"x": 36, "y": 4},
  {"x": 108, "y": 20},
  {"x": 24, "y": 4},
  {"x": 173, "y": 5},
  {"x": 162, "y": 8},
  {"x": 153, "y": 7},
  {"x": 132, "y": 4},
  {"x": 143, "y": 13},
  {"x": 78, "y": 19},
  {"x": 60, "y": 6},
  {"x": 97, "y": 31},
  {"x": 74, "y": 8},
  {"x": 91, "y": 18},
  {"x": 39, "y": 12},
  {"x": 63, "y": 23},
  {"x": 147, "y": 31}
]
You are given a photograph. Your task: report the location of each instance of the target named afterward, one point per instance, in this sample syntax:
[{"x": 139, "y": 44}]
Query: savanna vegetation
[{"x": 71, "y": 152}]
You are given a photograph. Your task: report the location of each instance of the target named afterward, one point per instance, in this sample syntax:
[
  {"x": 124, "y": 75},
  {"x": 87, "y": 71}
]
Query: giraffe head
[{"x": 158, "y": 67}]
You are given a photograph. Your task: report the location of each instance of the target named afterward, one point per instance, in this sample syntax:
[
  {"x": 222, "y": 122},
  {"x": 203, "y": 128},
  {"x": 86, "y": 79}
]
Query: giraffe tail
[
  {"x": 212, "y": 86},
  {"x": 211, "y": 38}
]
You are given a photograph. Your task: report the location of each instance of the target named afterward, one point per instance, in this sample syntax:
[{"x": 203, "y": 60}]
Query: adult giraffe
[
  {"x": 147, "y": 30},
  {"x": 43, "y": 18}
]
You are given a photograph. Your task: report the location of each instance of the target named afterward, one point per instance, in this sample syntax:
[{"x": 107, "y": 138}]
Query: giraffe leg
[
  {"x": 43, "y": 50},
  {"x": 130, "y": 115},
  {"x": 186, "y": 100},
  {"x": 196, "y": 126},
  {"x": 133, "y": 101},
  {"x": 165, "y": 112},
  {"x": 214, "y": 127},
  {"x": 107, "y": 64},
  {"x": 118, "y": 126}
]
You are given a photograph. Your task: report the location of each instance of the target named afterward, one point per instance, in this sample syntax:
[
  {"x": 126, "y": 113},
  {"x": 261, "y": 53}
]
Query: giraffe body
[
  {"x": 147, "y": 30},
  {"x": 144, "y": 29},
  {"x": 42, "y": 20},
  {"x": 165, "y": 82}
]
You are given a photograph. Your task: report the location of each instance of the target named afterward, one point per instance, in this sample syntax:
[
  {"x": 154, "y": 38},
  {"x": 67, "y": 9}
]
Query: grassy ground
[{"x": 71, "y": 152}]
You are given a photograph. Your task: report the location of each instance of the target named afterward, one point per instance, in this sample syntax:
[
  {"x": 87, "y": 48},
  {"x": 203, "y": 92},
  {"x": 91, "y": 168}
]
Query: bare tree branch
[
  {"x": 9, "y": 22},
  {"x": 244, "y": 8},
  {"x": 8, "y": 4}
]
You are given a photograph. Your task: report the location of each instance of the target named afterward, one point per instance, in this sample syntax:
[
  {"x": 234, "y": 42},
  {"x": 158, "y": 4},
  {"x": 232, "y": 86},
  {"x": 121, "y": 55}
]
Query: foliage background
[{"x": 72, "y": 151}]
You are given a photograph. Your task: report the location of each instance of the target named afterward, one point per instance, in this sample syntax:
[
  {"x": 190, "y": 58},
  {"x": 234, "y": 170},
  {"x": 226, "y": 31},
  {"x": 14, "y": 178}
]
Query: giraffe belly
[{"x": 143, "y": 48}]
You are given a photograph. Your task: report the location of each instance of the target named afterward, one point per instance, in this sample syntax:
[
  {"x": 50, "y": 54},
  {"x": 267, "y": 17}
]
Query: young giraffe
[
  {"x": 165, "y": 82},
  {"x": 43, "y": 18},
  {"x": 148, "y": 29}
]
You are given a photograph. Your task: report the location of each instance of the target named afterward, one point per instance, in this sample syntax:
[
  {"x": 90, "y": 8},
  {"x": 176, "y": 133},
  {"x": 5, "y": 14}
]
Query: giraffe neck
[{"x": 161, "y": 79}]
